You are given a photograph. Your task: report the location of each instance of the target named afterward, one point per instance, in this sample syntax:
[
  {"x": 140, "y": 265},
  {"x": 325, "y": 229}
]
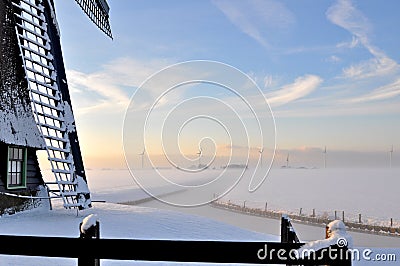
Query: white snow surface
[
  {"x": 82, "y": 189},
  {"x": 81, "y": 185},
  {"x": 69, "y": 117},
  {"x": 338, "y": 233},
  {"x": 88, "y": 222},
  {"x": 123, "y": 221},
  {"x": 23, "y": 124},
  {"x": 116, "y": 221}
]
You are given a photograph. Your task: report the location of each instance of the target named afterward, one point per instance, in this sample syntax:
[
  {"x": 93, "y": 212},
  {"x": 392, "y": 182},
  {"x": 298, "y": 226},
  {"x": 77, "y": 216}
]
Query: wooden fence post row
[{"x": 312, "y": 218}]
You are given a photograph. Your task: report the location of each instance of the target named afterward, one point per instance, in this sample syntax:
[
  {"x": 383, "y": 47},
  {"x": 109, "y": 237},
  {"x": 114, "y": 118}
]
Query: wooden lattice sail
[{"x": 42, "y": 91}]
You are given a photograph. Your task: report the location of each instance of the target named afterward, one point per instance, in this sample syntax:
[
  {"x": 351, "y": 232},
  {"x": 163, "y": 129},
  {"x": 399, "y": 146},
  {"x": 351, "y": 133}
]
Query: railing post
[
  {"x": 288, "y": 235},
  {"x": 326, "y": 232},
  {"x": 284, "y": 229},
  {"x": 89, "y": 230}
]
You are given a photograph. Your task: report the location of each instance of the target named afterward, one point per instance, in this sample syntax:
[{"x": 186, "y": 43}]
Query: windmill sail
[
  {"x": 36, "y": 34},
  {"x": 97, "y": 11}
]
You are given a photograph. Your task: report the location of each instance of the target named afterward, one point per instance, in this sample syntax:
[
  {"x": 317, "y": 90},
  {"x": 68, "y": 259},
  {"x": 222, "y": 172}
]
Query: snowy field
[{"x": 371, "y": 191}]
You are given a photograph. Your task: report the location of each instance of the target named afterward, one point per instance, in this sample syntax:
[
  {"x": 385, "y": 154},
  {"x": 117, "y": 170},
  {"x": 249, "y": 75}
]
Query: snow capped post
[
  {"x": 336, "y": 239},
  {"x": 89, "y": 228}
]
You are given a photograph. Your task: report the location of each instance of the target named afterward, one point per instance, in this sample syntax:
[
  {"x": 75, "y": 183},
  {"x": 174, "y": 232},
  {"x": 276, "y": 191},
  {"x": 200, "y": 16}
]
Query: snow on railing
[{"x": 353, "y": 221}]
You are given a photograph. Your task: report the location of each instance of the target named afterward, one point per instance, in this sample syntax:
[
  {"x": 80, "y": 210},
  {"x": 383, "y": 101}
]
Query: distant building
[{"x": 235, "y": 166}]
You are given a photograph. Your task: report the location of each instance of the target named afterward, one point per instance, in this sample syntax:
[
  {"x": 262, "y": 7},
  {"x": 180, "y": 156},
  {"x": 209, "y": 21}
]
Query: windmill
[
  {"x": 261, "y": 150},
  {"x": 199, "y": 154},
  {"x": 287, "y": 160},
  {"x": 33, "y": 83},
  {"x": 390, "y": 157},
  {"x": 324, "y": 152},
  {"x": 141, "y": 155}
]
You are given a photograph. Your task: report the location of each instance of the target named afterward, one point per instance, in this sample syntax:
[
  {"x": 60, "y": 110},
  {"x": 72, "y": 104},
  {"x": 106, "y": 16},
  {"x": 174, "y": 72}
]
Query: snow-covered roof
[
  {"x": 18, "y": 127},
  {"x": 17, "y": 124}
]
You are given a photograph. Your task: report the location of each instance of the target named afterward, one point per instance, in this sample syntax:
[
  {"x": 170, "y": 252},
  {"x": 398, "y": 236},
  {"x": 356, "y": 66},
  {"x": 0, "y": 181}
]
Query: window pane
[
  {"x": 13, "y": 166},
  {"x": 18, "y": 179},
  {"x": 18, "y": 167},
  {"x": 13, "y": 178},
  {"x": 10, "y": 153}
]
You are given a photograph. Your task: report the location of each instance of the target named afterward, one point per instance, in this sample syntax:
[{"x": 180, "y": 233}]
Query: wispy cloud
[
  {"x": 103, "y": 90},
  {"x": 382, "y": 93},
  {"x": 94, "y": 92},
  {"x": 255, "y": 17},
  {"x": 380, "y": 65},
  {"x": 344, "y": 14},
  {"x": 340, "y": 108},
  {"x": 349, "y": 44},
  {"x": 334, "y": 59},
  {"x": 301, "y": 87}
]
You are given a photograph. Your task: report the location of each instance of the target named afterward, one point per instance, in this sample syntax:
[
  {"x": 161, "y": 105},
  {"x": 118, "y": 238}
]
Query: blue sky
[{"x": 329, "y": 69}]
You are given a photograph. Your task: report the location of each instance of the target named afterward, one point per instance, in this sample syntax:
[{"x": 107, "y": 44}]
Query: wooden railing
[
  {"x": 312, "y": 220},
  {"x": 89, "y": 249}
]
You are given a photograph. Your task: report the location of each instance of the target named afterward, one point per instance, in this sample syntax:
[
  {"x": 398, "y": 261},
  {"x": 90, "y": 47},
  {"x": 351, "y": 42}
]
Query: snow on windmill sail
[{"x": 34, "y": 34}]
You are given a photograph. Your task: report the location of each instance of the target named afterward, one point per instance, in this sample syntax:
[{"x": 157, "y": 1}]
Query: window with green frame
[{"x": 16, "y": 167}]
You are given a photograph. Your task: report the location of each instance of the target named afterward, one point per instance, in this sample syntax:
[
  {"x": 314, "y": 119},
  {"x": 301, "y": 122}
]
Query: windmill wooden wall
[{"x": 17, "y": 126}]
